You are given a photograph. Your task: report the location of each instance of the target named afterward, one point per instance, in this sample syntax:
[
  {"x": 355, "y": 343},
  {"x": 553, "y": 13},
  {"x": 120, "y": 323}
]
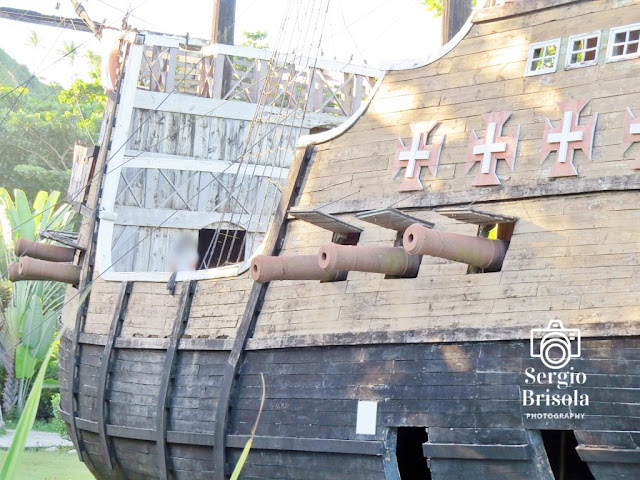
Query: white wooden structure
[{"x": 184, "y": 116}]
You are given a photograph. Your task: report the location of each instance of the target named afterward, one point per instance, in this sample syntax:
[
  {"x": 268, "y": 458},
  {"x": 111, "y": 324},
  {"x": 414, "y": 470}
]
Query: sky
[{"x": 375, "y": 32}]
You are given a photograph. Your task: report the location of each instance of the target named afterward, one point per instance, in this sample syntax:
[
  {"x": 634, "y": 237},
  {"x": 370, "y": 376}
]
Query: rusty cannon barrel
[
  {"x": 34, "y": 269},
  {"x": 43, "y": 251},
  {"x": 13, "y": 272},
  {"x": 393, "y": 261},
  {"x": 265, "y": 268},
  {"x": 479, "y": 252}
]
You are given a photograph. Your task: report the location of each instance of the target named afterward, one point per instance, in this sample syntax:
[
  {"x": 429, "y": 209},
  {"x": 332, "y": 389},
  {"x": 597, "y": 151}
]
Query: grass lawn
[{"x": 41, "y": 465}]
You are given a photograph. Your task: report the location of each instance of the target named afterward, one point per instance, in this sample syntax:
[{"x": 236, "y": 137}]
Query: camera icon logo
[{"x": 555, "y": 345}]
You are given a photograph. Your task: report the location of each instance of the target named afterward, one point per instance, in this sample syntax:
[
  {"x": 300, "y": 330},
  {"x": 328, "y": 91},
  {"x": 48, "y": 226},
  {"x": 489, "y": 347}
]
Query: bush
[{"x": 60, "y": 425}]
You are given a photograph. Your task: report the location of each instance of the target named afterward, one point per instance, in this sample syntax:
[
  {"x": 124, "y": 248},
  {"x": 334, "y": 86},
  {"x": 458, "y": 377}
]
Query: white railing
[{"x": 229, "y": 72}]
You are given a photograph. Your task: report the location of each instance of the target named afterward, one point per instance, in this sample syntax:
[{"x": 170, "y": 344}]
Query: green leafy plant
[
  {"x": 57, "y": 422},
  {"x": 29, "y": 317},
  {"x": 27, "y": 418}
]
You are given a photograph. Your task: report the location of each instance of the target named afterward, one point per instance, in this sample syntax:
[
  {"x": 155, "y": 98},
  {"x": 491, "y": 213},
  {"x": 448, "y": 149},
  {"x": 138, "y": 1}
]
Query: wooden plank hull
[{"x": 468, "y": 394}]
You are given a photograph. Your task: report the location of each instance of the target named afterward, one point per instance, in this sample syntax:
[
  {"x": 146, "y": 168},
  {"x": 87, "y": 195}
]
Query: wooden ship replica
[{"x": 434, "y": 268}]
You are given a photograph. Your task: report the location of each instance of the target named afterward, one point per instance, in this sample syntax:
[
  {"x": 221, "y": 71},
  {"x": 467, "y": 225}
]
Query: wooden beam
[
  {"x": 432, "y": 199},
  {"x": 139, "y": 159},
  {"x": 511, "y": 9},
  {"x": 294, "y": 444},
  {"x": 223, "y": 31},
  {"x": 326, "y": 221},
  {"x": 105, "y": 366},
  {"x": 608, "y": 455},
  {"x": 264, "y": 54},
  {"x": 273, "y": 244},
  {"x": 177, "y": 102},
  {"x": 454, "y": 15},
  {"x": 319, "y": 445},
  {"x": 472, "y": 215},
  {"x": 223, "y": 22},
  {"x": 476, "y": 452},
  {"x": 391, "y": 219},
  {"x": 183, "y": 219},
  {"x": 179, "y": 326},
  {"x": 86, "y": 258},
  {"x": 37, "y": 18}
]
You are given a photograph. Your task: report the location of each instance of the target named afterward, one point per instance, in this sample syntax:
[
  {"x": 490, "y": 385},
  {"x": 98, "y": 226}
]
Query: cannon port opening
[
  {"x": 412, "y": 464},
  {"x": 217, "y": 250},
  {"x": 493, "y": 231},
  {"x": 564, "y": 460}
]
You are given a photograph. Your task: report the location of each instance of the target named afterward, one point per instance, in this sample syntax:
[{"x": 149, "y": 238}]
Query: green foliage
[
  {"x": 435, "y": 6},
  {"x": 56, "y": 422},
  {"x": 25, "y": 423},
  {"x": 38, "y": 130},
  {"x": 29, "y": 318},
  {"x": 255, "y": 39}
]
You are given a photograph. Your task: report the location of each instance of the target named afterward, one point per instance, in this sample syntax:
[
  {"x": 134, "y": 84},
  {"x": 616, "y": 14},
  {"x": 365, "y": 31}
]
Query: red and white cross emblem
[
  {"x": 568, "y": 137},
  {"x": 412, "y": 158},
  {"x": 631, "y": 134},
  {"x": 492, "y": 148}
]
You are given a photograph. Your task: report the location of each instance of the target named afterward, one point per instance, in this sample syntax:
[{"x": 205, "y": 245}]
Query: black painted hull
[{"x": 468, "y": 394}]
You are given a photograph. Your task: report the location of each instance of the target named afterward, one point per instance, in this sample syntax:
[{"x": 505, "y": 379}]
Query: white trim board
[
  {"x": 182, "y": 219},
  {"x": 211, "y": 107},
  {"x": 262, "y": 54},
  {"x": 136, "y": 159}
]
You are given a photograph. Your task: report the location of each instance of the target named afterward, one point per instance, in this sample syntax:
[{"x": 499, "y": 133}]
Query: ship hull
[{"x": 469, "y": 396}]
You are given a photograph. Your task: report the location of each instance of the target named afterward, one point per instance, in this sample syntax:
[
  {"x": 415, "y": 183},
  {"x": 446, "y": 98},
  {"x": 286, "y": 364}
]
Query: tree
[
  {"x": 29, "y": 315},
  {"x": 38, "y": 131},
  {"x": 255, "y": 39},
  {"x": 435, "y": 6}
]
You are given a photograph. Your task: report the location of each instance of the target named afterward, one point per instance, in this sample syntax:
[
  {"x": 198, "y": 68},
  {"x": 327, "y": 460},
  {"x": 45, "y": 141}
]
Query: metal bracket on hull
[
  {"x": 105, "y": 366},
  {"x": 179, "y": 326}
]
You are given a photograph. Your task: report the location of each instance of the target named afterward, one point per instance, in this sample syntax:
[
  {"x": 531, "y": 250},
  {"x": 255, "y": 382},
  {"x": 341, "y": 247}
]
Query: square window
[
  {"x": 543, "y": 57},
  {"x": 583, "y": 50},
  {"x": 624, "y": 42}
]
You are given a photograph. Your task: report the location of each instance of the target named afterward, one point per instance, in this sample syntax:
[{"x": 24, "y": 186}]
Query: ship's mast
[
  {"x": 454, "y": 15},
  {"x": 224, "y": 17}
]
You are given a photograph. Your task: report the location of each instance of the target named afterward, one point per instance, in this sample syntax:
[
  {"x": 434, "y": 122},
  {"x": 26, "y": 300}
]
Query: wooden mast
[
  {"x": 223, "y": 23},
  {"x": 454, "y": 14},
  {"x": 223, "y": 31}
]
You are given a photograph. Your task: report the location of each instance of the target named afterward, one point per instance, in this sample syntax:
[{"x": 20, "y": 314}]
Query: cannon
[
  {"x": 33, "y": 269},
  {"x": 480, "y": 252},
  {"x": 13, "y": 272},
  {"x": 393, "y": 261},
  {"x": 265, "y": 268},
  {"x": 43, "y": 251}
]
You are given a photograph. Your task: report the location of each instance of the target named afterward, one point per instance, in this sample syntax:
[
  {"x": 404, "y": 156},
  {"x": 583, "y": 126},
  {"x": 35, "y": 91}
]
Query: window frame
[
  {"x": 584, "y": 36},
  {"x": 557, "y": 42},
  {"x": 611, "y": 43}
]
